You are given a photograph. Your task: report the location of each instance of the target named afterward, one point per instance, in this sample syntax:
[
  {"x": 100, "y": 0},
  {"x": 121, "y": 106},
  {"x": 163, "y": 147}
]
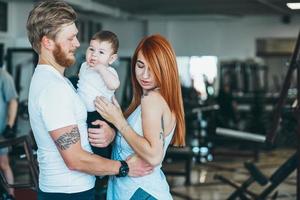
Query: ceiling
[{"x": 201, "y": 7}]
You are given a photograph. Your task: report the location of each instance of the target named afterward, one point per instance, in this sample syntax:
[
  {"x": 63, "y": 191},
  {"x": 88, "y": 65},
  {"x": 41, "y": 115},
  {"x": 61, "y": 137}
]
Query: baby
[{"x": 98, "y": 78}]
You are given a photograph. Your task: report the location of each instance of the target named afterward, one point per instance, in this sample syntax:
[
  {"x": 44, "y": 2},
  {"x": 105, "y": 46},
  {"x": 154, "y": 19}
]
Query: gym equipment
[
  {"x": 257, "y": 176},
  {"x": 26, "y": 151},
  {"x": 293, "y": 65},
  {"x": 182, "y": 154},
  {"x": 240, "y": 135},
  {"x": 21, "y": 63},
  {"x": 202, "y": 144},
  {"x": 175, "y": 154},
  {"x": 244, "y": 76},
  {"x": 199, "y": 149},
  {"x": 287, "y": 167}
]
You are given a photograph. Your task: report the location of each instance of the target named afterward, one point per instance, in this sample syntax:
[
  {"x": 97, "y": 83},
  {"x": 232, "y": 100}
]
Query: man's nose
[{"x": 76, "y": 44}]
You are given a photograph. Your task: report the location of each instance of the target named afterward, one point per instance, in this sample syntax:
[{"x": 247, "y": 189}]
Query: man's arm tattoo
[
  {"x": 161, "y": 134},
  {"x": 67, "y": 139}
]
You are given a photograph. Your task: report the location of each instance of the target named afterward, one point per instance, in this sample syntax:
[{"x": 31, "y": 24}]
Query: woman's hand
[
  {"x": 110, "y": 111},
  {"x": 138, "y": 167}
]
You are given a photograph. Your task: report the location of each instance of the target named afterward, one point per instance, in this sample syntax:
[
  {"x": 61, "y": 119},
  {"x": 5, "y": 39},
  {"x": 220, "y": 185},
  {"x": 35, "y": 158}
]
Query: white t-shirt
[
  {"x": 53, "y": 103},
  {"x": 91, "y": 85}
]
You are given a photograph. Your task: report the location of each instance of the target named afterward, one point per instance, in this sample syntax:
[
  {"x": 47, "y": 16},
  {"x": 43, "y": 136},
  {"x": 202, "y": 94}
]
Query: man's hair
[
  {"x": 46, "y": 19},
  {"x": 109, "y": 37}
]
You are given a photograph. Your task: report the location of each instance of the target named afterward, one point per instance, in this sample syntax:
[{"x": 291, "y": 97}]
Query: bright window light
[
  {"x": 183, "y": 63},
  {"x": 293, "y": 6},
  {"x": 203, "y": 70},
  {"x": 199, "y": 72}
]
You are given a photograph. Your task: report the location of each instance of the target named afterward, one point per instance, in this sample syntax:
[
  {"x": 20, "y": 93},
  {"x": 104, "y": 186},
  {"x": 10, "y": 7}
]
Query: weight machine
[{"x": 287, "y": 167}]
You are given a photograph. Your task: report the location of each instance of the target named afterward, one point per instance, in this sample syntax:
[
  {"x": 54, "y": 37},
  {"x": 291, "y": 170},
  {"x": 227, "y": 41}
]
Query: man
[
  {"x": 58, "y": 117},
  {"x": 8, "y": 113}
]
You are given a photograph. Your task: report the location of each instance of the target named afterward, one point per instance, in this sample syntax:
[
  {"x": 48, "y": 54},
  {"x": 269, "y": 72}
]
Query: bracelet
[{"x": 123, "y": 128}]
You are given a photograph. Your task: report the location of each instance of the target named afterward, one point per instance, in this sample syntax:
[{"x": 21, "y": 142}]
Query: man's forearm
[
  {"x": 67, "y": 141},
  {"x": 12, "y": 112},
  {"x": 95, "y": 165}
]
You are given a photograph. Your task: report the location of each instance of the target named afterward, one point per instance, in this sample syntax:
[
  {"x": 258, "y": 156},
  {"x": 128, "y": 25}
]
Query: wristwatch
[{"x": 124, "y": 169}]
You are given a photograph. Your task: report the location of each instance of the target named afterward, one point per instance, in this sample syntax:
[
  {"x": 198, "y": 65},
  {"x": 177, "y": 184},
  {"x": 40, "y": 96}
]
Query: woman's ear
[
  {"x": 113, "y": 58},
  {"x": 47, "y": 43}
]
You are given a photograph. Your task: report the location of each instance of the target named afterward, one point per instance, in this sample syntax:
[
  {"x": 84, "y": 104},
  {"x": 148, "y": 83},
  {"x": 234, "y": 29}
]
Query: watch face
[{"x": 123, "y": 171}]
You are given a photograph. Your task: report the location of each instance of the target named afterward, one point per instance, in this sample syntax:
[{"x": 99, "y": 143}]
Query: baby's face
[{"x": 99, "y": 52}]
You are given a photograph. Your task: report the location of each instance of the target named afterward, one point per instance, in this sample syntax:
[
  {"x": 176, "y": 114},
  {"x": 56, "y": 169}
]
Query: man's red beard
[{"x": 61, "y": 57}]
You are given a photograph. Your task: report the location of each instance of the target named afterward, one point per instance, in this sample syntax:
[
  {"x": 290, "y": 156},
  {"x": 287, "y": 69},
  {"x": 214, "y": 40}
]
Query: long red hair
[{"x": 161, "y": 58}]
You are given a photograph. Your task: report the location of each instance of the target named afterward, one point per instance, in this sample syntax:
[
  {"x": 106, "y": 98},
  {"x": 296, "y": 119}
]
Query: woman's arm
[{"x": 149, "y": 147}]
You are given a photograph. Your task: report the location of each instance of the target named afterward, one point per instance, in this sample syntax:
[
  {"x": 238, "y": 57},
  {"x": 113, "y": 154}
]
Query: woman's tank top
[{"x": 122, "y": 188}]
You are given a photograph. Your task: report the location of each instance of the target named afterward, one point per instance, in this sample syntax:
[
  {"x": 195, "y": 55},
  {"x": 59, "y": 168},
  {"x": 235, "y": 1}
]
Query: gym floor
[{"x": 204, "y": 186}]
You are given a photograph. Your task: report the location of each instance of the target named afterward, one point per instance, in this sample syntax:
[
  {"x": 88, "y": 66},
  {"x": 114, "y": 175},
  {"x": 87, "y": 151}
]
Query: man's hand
[
  {"x": 103, "y": 136},
  {"x": 138, "y": 167}
]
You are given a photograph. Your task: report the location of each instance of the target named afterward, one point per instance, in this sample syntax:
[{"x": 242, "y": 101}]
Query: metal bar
[
  {"x": 206, "y": 108},
  {"x": 240, "y": 188},
  {"x": 298, "y": 126},
  {"x": 280, "y": 175},
  {"x": 31, "y": 162},
  {"x": 283, "y": 94},
  {"x": 240, "y": 135}
]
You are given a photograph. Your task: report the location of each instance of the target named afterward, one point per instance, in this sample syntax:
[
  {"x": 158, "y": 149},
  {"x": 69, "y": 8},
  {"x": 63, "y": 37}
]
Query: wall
[
  {"x": 129, "y": 33},
  {"x": 17, "y": 17},
  {"x": 228, "y": 38},
  {"x": 225, "y": 37}
]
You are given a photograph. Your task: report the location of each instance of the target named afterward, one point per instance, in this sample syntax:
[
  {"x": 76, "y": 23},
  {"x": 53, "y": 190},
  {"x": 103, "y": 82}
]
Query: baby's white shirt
[{"x": 91, "y": 85}]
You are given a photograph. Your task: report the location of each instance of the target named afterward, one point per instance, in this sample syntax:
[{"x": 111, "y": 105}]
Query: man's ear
[
  {"x": 113, "y": 58},
  {"x": 47, "y": 43}
]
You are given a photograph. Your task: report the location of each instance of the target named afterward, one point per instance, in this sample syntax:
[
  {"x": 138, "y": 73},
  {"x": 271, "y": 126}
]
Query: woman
[{"x": 155, "y": 118}]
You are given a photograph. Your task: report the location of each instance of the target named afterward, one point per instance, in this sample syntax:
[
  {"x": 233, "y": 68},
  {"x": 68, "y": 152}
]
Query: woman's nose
[{"x": 146, "y": 73}]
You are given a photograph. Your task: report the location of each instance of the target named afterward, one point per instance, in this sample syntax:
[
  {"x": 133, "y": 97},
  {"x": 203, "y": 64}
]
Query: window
[
  {"x": 3, "y": 16},
  {"x": 90, "y": 29},
  {"x": 199, "y": 72}
]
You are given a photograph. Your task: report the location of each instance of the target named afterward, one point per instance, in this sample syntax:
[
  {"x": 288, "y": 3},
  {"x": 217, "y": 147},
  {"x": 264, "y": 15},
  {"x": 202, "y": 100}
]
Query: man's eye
[
  {"x": 72, "y": 38},
  {"x": 101, "y": 52},
  {"x": 91, "y": 49}
]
